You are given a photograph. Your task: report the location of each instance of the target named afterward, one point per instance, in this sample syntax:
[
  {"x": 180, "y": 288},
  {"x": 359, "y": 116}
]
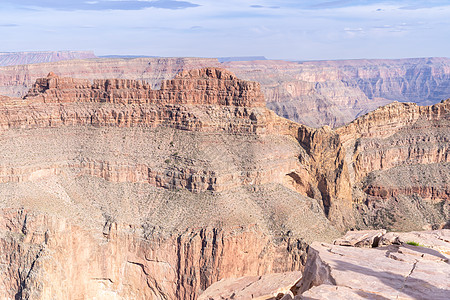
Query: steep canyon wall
[
  {"x": 313, "y": 93},
  {"x": 115, "y": 189}
]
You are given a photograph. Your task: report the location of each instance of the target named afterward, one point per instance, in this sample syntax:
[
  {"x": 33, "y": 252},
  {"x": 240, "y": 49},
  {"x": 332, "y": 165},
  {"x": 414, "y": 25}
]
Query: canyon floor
[{"x": 117, "y": 189}]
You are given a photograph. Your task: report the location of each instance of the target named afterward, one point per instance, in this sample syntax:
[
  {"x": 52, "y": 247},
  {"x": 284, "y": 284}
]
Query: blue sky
[{"x": 299, "y": 30}]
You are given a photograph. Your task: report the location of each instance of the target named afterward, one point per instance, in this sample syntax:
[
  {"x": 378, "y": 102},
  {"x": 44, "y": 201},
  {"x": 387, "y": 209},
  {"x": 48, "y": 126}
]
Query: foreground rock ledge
[
  {"x": 268, "y": 286},
  {"x": 392, "y": 272}
]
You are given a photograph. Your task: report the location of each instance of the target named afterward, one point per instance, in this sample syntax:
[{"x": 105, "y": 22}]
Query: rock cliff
[
  {"x": 398, "y": 158},
  {"x": 313, "y": 93},
  {"x": 333, "y": 93},
  {"x": 112, "y": 189}
]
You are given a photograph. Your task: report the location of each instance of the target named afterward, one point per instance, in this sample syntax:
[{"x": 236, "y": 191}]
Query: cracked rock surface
[
  {"x": 267, "y": 286},
  {"x": 398, "y": 271}
]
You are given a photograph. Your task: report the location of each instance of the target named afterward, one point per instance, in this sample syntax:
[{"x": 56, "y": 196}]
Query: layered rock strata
[
  {"x": 195, "y": 182},
  {"x": 24, "y": 58},
  {"x": 112, "y": 189},
  {"x": 333, "y": 93},
  {"x": 313, "y": 93},
  {"x": 16, "y": 81},
  {"x": 398, "y": 158}
]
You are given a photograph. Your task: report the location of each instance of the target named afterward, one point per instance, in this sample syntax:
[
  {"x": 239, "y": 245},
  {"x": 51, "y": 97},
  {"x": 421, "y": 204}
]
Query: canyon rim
[{"x": 124, "y": 189}]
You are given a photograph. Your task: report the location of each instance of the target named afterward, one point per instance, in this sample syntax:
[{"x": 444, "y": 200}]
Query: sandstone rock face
[
  {"x": 25, "y": 58},
  {"x": 253, "y": 287},
  {"x": 46, "y": 256},
  {"x": 333, "y": 93},
  {"x": 364, "y": 238},
  {"x": 313, "y": 93},
  {"x": 393, "y": 272},
  {"x": 196, "y": 181},
  {"x": 115, "y": 190},
  {"x": 16, "y": 81},
  {"x": 398, "y": 160},
  {"x": 196, "y": 87}
]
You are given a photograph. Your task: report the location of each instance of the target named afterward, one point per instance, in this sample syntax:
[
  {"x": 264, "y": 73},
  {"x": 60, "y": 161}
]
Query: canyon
[
  {"x": 371, "y": 264},
  {"x": 159, "y": 187},
  {"x": 36, "y": 57},
  {"x": 314, "y": 93},
  {"x": 147, "y": 193}
]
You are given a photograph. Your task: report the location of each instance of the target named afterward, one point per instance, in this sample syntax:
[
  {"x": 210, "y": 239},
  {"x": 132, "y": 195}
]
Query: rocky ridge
[
  {"x": 147, "y": 193},
  {"x": 25, "y": 58},
  {"x": 398, "y": 156},
  {"x": 195, "y": 182},
  {"x": 16, "y": 81},
  {"x": 313, "y": 93}
]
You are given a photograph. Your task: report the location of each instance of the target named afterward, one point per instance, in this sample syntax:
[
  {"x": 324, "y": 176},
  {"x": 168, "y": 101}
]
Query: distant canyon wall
[
  {"x": 37, "y": 57},
  {"x": 333, "y": 93},
  {"x": 312, "y": 93}
]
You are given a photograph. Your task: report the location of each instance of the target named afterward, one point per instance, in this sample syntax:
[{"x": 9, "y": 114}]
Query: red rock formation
[
  {"x": 47, "y": 256},
  {"x": 199, "y": 87},
  {"x": 313, "y": 93},
  {"x": 396, "y": 134},
  {"x": 196, "y": 181},
  {"x": 146, "y": 193}
]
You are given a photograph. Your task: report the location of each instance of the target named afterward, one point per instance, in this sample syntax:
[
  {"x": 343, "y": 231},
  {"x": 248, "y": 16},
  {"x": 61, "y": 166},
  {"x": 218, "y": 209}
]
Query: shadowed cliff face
[{"x": 114, "y": 189}]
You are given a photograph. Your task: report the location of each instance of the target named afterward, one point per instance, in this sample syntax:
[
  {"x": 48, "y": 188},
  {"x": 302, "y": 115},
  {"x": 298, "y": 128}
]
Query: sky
[{"x": 288, "y": 29}]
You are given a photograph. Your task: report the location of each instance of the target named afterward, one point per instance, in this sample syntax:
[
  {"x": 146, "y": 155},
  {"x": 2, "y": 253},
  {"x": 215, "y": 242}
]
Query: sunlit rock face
[
  {"x": 313, "y": 93},
  {"x": 115, "y": 188}
]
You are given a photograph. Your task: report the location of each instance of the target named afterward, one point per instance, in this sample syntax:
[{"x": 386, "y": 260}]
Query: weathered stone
[
  {"x": 437, "y": 239},
  {"x": 333, "y": 292},
  {"x": 137, "y": 197},
  {"x": 268, "y": 286},
  {"x": 363, "y": 238},
  {"x": 393, "y": 272}
]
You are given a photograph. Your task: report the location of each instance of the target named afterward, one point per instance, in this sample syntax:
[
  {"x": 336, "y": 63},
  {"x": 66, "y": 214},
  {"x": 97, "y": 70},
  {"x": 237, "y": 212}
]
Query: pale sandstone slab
[
  {"x": 332, "y": 292},
  {"x": 438, "y": 240},
  {"x": 364, "y": 238},
  {"x": 393, "y": 272},
  {"x": 252, "y": 287}
]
